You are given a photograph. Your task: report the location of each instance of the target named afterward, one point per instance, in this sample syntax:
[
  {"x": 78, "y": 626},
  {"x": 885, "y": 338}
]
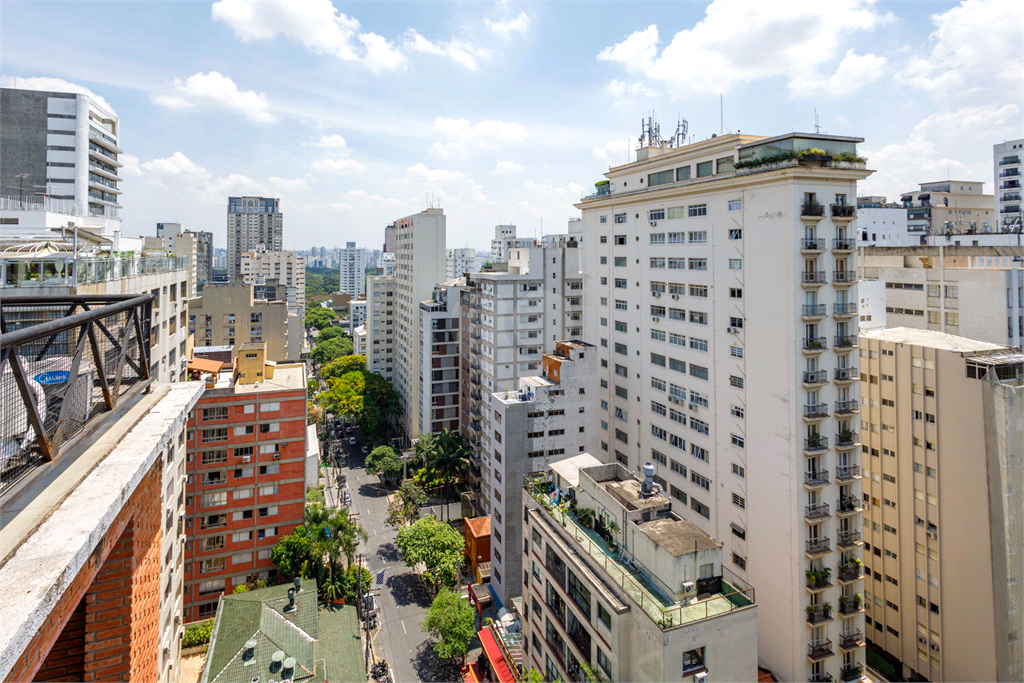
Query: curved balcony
[{"x": 814, "y": 311}]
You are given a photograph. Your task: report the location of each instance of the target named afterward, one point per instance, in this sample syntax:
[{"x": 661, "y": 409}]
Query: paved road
[{"x": 403, "y": 599}]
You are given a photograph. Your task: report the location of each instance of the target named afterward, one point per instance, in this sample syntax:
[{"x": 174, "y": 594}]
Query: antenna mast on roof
[{"x": 817, "y": 128}]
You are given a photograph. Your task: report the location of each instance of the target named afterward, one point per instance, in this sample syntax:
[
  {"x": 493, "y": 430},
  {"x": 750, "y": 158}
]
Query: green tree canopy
[
  {"x": 330, "y": 333},
  {"x": 319, "y": 317},
  {"x": 296, "y": 554},
  {"x": 344, "y": 395},
  {"x": 385, "y": 461},
  {"x": 335, "y": 347},
  {"x": 404, "y": 507},
  {"x": 450, "y": 621},
  {"x": 437, "y": 545},
  {"x": 342, "y": 366}
]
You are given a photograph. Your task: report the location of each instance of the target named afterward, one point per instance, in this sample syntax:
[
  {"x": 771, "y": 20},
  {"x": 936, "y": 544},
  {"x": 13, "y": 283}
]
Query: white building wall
[
  {"x": 380, "y": 326},
  {"x": 1007, "y": 171}
]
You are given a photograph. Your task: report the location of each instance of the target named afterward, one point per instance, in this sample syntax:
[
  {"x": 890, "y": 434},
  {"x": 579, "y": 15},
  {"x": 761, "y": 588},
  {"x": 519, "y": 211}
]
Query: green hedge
[
  {"x": 882, "y": 666},
  {"x": 197, "y": 634}
]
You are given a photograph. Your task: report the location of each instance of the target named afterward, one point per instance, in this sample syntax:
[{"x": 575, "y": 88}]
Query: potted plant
[
  {"x": 811, "y": 611},
  {"x": 859, "y": 562},
  {"x": 858, "y": 599},
  {"x": 827, "y": 607},
  {"x": 842, "y": 602},
  {"x": 611, "y": 527},
  {"x": 586, "y": 515}
]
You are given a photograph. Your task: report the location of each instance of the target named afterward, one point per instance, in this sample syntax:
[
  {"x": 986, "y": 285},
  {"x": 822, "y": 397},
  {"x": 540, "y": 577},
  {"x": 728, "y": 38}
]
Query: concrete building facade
[
  {"x": 460, "y": 262},
  {"x": 254, "y": 223},
  {"x": 420, "y": 265},
  {"x": 510, "y": 319},
  {"x": 722, "y": 368},
  {"x": 648, "y": 598},
  {"x": 352, "y": 271},
  {"x": 1007, "y": 169},
  {"x": 955, "y": 207},
  {"x": 229, "y": 315},
  {"x": 941, "y": 420},
  {"x": 284, "y": 270},
  {"x": 546, "y": 419},
  {"x": 246, "y": 475},
  {"x": 381, "y": 330},
  {"x": 438, "y": 404}
]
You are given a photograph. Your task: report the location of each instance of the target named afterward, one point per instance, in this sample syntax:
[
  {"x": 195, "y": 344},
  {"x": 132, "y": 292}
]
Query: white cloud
[
  {"x": 727, "y": 47},
  {"x": 853, "y": 73},
  {"x": 504, "y": 167},
  {"x": 175, "y": 169},
  {"x": 420, "y": 173},
  {"x": 331, "y": 142},
  {"x": 957, "y": 143},
  {"x": 459, "y": 51},
  {"x": 622, "y": 90},
  {"x": 218, "y": 91},
  {"x": 339, "y": 166},
  {"x": 546, "y": 199},
  {"x": 180, "y": 176},
  {"x": 314, "y": 23},
  {"x": 53, "y": 85},
  {"x": 506, "y": 28},
  {"x": 614, "y": 153},
  {"x": 462, "y": 137},
  {"x": 976, "y": 48},
  {"x": 288, "y": 184}
]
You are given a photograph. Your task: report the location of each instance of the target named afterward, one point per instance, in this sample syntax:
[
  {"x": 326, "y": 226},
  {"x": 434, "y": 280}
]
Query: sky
[{"x": 356, "y": 114}]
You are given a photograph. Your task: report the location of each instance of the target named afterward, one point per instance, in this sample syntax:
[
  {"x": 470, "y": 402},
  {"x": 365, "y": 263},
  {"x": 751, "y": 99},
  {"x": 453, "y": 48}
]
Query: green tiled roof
[{"x": 323, "y": 639}]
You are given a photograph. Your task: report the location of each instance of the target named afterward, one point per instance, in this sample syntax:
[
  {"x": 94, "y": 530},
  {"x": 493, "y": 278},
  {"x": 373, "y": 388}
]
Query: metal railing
[
  {"x": 844, "y": 276},
  {"x": 818, "y": 478},
  {"x": 846, "y": 439},
  {"x": 849, "y": 308},
  {"x": 844, "y": 243},
  {"x": 69, "y": 271},
  {"x": 814, "y": 310},
  {"x": 820, "y": 613},
  {"x": 848, "y": 504},
  {"x": 812, "y": 244},
  {"x": 816, "y": 277},
  {"x": 850, "y": 672},
  {"x": 819, "y": 650},
  {"x": 65, "y": 361},
  {"x": 847, "y": 472},
  {"x": 815, "y": 376},
  {"x": 846, "y": 374},
  {"x": 815, "y": 411},
  {"x": 851, "y": 605},
  {"x": 843, "y": 211},
  {"x": 818, "y": 511},
  {"x": 848, "y": 641},
  {"x": 820, "y": 443},
  {"x": 815, "y": 343},
  {"x": 812, "y": 208},
  {"x": 848, "y": 539},
  {"x": 847, "y": 406},
  {"x": 845, "y": 341}
]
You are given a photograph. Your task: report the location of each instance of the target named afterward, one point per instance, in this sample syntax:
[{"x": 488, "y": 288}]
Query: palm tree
[
  {"x": 451, "y": 459},
  {"x": 426, "y": 448}
]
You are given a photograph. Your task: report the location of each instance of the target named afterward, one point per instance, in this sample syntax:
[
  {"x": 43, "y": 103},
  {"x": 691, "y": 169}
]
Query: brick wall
[{"x": 90, "y": 633}]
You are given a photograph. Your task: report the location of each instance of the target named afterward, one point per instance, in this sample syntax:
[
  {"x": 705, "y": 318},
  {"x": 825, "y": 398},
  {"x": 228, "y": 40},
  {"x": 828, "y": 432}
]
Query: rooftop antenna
[{"x": 817, "y": 128}]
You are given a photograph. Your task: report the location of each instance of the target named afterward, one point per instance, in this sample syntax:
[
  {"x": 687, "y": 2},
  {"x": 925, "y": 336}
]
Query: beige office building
[
  {"x": 950, "y": 207},
  {"x": 942, "y": 435},
  {"x": 229, "y": 315},
  {"x": 282, "y": 271}
]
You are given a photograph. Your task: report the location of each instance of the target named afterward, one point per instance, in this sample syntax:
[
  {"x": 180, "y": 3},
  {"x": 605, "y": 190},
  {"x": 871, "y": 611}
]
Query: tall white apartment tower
[
  {"x": 420, "y": 259},
  {"x": 1006, "y": 160},
  {"x": 380, "y": 326},
  {"x": 59, "y": 153},
  {"x": 254, "y": 224},
  {"x": 352, "y": 273},
  {"x": 439, "y": 346},
  {"x": 724, "y": 368}
]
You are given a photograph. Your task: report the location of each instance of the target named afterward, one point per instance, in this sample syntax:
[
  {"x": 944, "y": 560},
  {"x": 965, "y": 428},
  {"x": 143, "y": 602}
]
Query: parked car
[{"x": 351, "y": 441}]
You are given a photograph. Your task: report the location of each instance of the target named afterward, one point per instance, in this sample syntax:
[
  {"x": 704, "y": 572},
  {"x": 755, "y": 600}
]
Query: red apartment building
[{"x": 245, "y": 487}]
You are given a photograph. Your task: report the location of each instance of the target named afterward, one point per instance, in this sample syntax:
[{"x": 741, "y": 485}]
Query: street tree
[
  {"x": 385, "y": 461},
  {"x": 342, "y": 366},
  {"x": 437, "y": 545},
  {"x": 451, "y": 622},
  {"x": 319, "y": 317},
  {"x": 334, "y": 347},
  {"x": 404, "y": 508}
]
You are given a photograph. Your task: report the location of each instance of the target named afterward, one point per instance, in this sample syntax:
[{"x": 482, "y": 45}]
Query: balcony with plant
[
  {"x": 819, "y": 579},
  {"x": 850, "y": 571},
  {"x": 818, "y": 614},
  {"x": 851, "y": 604}
]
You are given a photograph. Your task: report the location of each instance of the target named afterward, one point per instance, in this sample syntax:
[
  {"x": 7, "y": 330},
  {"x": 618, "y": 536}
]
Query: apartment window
[
  {"x": 658, "y": 384},
  {"x": 604, "y": 238},
  {"x": 735, "y": 264},
  {"x": 698, "y": 452},
  {"x": 952, "y": 318},
  {"x": 700, "y": 481},
  {"x": 657, "y": 262},
  {"x": 682, "y": 173},
  {"x": 621, "y": 327},
  {"x": 736, "y": 411},
  {"x": 658, "y": 311},
  {"x": 658, "y": 359},
  {"x": 700, "y": 508},
  {"x": 210, "y": 414},
  {"x": 620, "y": 261},
  {"x": 736, "y": 381},
  {"x": 621, "y": 457},
  {"x": 698, "y": 371},
  {"x": 677, "y": 339},
  {"x": 657, "y": 238},
  {"x": 621, "y": 283},
  {"x": 658, "y": 335},
  {"x": 676, "y": 314},
  {"x": 219, "y": 434},
  {"x": 735, "y": 205},
  {"x": 621, "y": 305},
  {"x": 738, "y": 441},
  {"x": 676, "y": 237},
  {"x": 696, "y": 210},
  {"x": 700, "y": 426},
  {"x": 659, "y": 433},
  {"x": 739, "y": 501},
  {"x": 604, "y": 280},
  {"x": 699, "y": 317},
  {"x": 698, "y": 264},
  {"x": 621, "y": 392},
  {"x": 621, "y": 348}
]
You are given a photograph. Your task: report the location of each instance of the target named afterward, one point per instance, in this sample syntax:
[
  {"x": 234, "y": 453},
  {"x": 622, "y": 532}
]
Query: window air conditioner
[
  {"x": 654, "y": 222},
  {"x": 732, "y": 330},
  {"x": 277, "y": 456},
  {"x": 932, "y": 534},
  {"x": 934, "y": 646},
  {"x": 675, "y": 296},
  {"x": 656, "y": 294},
  {"x": 693, "y": 406},
  {"x": 655, "y": 318},
  {"x": 246, "y": 458},
  {"x": 922, "y": 639},
  {"x": 702, "y": 677},
  {"x": 676, "y": 400}
]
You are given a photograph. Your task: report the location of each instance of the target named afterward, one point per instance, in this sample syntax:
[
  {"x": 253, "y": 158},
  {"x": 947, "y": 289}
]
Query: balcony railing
[
  {"x": 812, "y": 244},
  {"x": 846, "y": 374},
  {"x": 815, "y": 376},
  {"x": 845, "y": 341},
  {"x": 815, "y": 310},
  {"x": 817, "y": 478},
  {"x": 845, "y": 309},
  {"x": 847, "y": 406},
  {"x": 64, "y": 362},
  {"x": 67, "y": 271},
  {"x": 848, "y": 539},
  {"x": 812, "y": 208},
  {"x": 819, "y": 614},
  {"x": 843, "y": 211},
  {"x": 846, "y": 439},
  {"x": 847, "y": 472},
  {"x": 816, "y": 546},
  {"x": 844, "y": 244},
  {"x": 814, "y": 277},
  {"x": 816, "y": 411},
  {"x": 819, "y": 650},
  {"x": 849, "y": 641},
  {"x": 848, "y": 504},
  {"x": 850, "y": 672},
  {"x": 1006, "y": 161},
  {"x": 851, "y": 605},
  {"x": 848, "y": 276},
  {"x": 819, "y": 511},
  {"x": 850, "y": 573},
  {"x": 815, "y": 343},
  {"x": 818, "y": 443}
]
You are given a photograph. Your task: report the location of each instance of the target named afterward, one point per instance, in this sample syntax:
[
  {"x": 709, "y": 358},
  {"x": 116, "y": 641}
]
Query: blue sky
[{"x": 356, "y": 113}]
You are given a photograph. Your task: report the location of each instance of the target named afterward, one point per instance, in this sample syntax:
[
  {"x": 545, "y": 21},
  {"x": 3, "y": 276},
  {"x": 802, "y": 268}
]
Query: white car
[{"x": 351, "y": 441}]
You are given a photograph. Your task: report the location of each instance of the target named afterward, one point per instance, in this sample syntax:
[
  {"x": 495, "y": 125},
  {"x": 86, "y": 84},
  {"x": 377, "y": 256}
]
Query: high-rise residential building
[
  {"x": 282, "y": 271},
  {"x": 93, "y": 528},
  {"x": 254, "y": 223},
  {"x": 246, "y": 475},
  {"x": 950, "y": 207},
  {"x": 359, "y": 340},
  {"x": 1006, "y": 160},
  {"x": 616, "y": 578},
  {"x": 437, "y": 404},
  {"x": 505, "y": 240},
  {"x": 230, "y": 315},
  {"x": 387, "y": 264},
  {"x": 352, "y": 273},
  {"x": 204, "y": 257},
  {"x": 703, "y": 348},
  {"x": 390, "y": 239},
  {"x": 381, "y": 330},
  {"x": 59, "y": 153},
  {"x": 460, "y": 262},
  {"x": 946, "y": 289},
  {"x": 48, "y": 266},
  {"x": 420, "y": 265},
  {"x": 510, "y": 320},
  {"x": 174, "y": 240},
  {"x": 942, "y": 472},
  {"x": 544, "y": 420}
]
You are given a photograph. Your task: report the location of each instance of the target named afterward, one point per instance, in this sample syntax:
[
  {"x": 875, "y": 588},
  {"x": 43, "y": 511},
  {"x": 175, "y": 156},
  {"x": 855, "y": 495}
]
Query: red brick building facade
[{"x": 246, "y": 476}]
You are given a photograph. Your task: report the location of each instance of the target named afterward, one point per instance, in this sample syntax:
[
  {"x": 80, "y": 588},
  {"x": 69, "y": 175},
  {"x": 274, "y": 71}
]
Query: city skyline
[{"x": 262, "y": 104}]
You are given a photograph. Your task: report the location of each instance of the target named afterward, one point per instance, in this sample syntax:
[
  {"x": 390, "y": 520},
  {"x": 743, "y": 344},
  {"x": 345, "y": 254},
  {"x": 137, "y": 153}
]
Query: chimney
[
  {"x": 291, "y": 600},
  {"x": 297, "y": 581}
]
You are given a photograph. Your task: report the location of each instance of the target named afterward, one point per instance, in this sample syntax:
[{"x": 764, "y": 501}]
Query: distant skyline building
[
  {"x": 352, "y": 271},
  {"x": 60, "y": 151},
  {"x": 253, "y": 222},
  {"x": 1006, "y": 162},
  {"x": 950, "y": 207}
]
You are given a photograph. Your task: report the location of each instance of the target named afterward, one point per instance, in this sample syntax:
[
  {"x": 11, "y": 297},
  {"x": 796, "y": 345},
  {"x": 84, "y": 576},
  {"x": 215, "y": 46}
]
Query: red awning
[{"x": 499, "y": 667}]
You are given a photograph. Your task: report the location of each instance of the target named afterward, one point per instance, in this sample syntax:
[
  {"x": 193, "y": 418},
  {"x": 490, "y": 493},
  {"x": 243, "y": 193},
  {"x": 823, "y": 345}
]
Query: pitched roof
[{"x": 479, "y": 526}]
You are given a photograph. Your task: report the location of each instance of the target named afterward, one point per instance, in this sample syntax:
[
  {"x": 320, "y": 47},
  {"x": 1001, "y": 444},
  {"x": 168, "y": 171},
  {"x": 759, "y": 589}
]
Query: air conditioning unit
[
  {"x": 923, "y": 640},
  {"x": 732, "y": 330},
  {"x": 689, "y": 587},
  {"x": 656, "y": 294},
  {"x": 934, "y": 646},
  {"x": 654, "y": 222},
  {"x": 246, "y": 458},
  {"x": 693, "y": 406},
  {"x": 655, "y": 318},
  {"x": 932, "y": 534},
  {"x": 702, "y": 677},
  {"x": 676, "y": 400},
  {"x": 675, "y": 296},
  {"x": 277, "y": 456}
]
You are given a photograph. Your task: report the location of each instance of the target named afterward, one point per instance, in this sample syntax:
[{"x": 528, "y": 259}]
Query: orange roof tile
[{"x": 479, "y": 526}]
